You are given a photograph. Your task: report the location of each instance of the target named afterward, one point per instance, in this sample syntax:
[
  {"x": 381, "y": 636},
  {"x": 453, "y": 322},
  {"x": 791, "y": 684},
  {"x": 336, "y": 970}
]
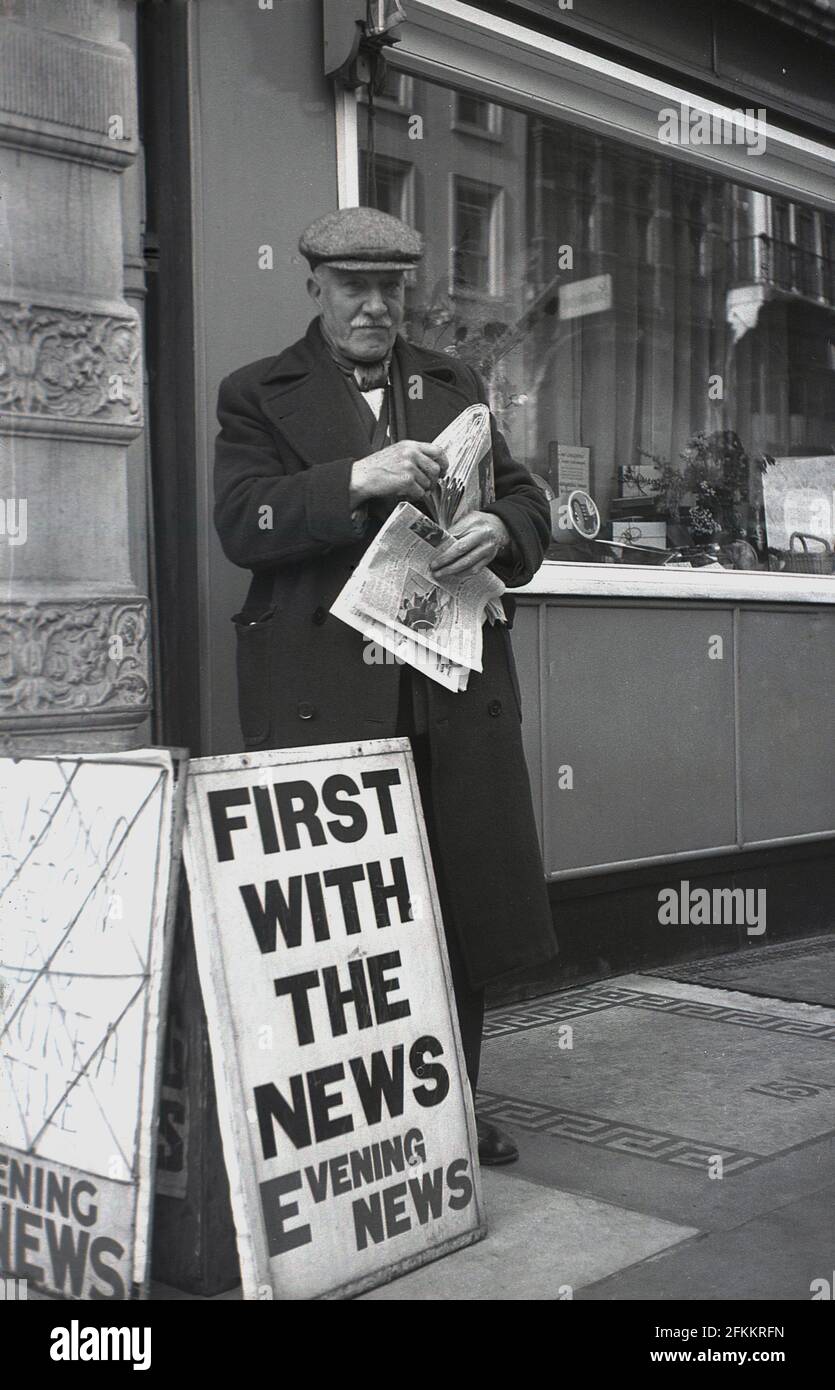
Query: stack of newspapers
[{"x": 393, "y": 598}]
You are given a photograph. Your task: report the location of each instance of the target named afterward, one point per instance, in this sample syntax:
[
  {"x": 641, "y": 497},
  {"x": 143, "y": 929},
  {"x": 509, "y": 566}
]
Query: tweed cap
[{"x": 361, "y": 239}]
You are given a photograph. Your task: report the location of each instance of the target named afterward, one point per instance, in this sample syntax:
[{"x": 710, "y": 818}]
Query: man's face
[{"x": 361, "y": 310}]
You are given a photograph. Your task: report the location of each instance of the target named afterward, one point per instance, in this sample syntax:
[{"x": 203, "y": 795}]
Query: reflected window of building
[
  {"x": 650, "y": 332},
  {"x": 476, "y": 253},
  {"x": 393, "y": 192},
  {"x": 472, "y": 113},
  {"x": 397, "y": 90}
]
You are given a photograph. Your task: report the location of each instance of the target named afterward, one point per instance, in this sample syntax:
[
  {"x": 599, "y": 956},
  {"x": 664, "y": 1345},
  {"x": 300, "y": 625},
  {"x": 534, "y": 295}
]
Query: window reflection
[{"x": 650, "y": 333}]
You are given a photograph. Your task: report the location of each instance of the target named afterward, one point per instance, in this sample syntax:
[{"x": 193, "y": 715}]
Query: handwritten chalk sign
[
  {"x": 342, "y": 1095},
  {"x": 88, "y": 849}
]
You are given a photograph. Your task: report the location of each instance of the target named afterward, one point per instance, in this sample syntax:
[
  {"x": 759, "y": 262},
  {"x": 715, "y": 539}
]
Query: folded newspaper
[{"x": 394, "y": 599}]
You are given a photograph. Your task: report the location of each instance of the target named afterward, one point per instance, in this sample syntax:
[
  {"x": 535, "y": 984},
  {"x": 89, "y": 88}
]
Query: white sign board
[
  {"x": 799, "y": 495},
  {"x": 342, "y": 1096},
  {"x": 572, "y": 467},
  {"x": 581, "y": 297},
  {"x": 87, "y": 852}
]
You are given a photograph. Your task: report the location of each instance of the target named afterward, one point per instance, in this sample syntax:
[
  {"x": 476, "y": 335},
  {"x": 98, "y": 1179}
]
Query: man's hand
[
  {"x": 478, "y": 539},
  {"x": 404, "y": 470}
]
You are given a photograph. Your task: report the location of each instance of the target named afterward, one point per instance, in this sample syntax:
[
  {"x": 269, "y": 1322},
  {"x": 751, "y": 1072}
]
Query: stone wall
[{"x": 74, "y": 620}]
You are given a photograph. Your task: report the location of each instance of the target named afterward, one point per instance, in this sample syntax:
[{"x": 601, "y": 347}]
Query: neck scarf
[{"x": 369, "y": 376}]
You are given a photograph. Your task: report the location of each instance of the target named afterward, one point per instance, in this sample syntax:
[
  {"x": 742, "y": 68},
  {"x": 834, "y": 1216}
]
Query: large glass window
[{"x": 651, "y": 334}]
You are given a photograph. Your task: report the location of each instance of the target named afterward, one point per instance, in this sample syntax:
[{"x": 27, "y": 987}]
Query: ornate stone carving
[
  {"x": 73, "y": 655},
  {"x": 59, "y": 364}
]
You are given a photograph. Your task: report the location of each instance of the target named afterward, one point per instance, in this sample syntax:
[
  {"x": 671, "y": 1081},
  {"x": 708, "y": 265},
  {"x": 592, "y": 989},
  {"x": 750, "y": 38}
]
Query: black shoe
[{"x": 494, "y": 1146}]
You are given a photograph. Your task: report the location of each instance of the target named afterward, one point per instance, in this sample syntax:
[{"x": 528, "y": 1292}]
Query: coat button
[
  {"x": 494, "y": 708},
  {"x": 304, "y": 710},
  {"x": 320, "y": 616}
]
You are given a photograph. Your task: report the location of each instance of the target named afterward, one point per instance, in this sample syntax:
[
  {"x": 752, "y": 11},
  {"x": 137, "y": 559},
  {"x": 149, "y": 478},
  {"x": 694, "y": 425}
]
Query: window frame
[
  {"x": 495, "y": 241},
  {"x": 492, "y": 131},
  {"x": 453, "y": 43}
]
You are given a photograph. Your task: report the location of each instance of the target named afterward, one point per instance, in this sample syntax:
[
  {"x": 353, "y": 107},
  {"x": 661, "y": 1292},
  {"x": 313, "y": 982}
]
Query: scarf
[{"x": 369, "y": 376}]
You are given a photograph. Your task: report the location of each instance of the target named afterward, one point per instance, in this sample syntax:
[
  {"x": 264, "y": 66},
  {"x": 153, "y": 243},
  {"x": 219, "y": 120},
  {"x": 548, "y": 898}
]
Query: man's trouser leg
[{"x": 469, "y": 1000}]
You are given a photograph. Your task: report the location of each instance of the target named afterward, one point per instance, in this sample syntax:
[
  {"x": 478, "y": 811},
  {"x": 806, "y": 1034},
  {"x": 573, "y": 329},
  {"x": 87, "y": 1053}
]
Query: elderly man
[{"x": 316, "y": 447}]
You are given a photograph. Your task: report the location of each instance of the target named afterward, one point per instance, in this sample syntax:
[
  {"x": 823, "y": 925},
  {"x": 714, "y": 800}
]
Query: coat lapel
[
  {"x": 438, "y": 399},
  {"x": 308, "y": 399}
]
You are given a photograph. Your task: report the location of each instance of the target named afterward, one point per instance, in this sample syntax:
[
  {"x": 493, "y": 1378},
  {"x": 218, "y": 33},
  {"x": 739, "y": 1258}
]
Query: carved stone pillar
[{"x": 74, "y": 644}]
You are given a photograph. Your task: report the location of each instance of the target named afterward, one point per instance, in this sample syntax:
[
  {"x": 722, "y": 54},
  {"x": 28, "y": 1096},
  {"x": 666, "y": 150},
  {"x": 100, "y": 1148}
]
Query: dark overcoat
[{"x": 290, "y": 433}]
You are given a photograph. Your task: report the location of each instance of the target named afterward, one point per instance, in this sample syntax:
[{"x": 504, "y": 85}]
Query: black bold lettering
[
  {"x": 223, "y": 824},
  {"x": 89, "y": 1215},
  {"x": 381, "y": 782},
  {"x": 368, "y": 1220},
  {"x": 321, "y": 1103},
  {"x": 273, "y": 912},
  {"x": 381, "y": 988},
  {"x": 357, "y": 819},
  {"x": 428, "y": 1194},
  {"x": 384, "y": 1083},
  {"x": 428, "y": 1046},
  {"x": 23, "y": 1242},
  {"x": 317, "y": 1181},
  {"x": 292, "y": 817},
  {"x": 103, "y": 1245},
  {"x": 271, "y": 1109},
  {"x": 266, "y": 819},
  {"x": 278, "y": 1213},
  {"x": 398, "y": 1222},
  {"x": 381, "y": 892},
  {"x": 298, "y": 987},
  {"x": 66, "y": 1257},
  {"x": 337, "y": 998},
  {"x": 316, "y": 903},
  {"x": 344, "y": 880},
  {"x": 459, "y": 1183}
]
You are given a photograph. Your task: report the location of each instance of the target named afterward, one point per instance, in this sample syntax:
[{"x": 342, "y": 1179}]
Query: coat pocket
[{"x": 255, "y": 639}]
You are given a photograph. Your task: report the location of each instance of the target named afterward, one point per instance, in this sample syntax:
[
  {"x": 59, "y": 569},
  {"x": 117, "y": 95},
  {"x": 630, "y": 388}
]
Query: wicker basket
[{"x": 806, "y": 561}]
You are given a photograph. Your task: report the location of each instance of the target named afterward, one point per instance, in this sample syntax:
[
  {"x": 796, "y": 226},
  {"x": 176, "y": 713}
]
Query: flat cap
[{"x": 361, "y": 239}]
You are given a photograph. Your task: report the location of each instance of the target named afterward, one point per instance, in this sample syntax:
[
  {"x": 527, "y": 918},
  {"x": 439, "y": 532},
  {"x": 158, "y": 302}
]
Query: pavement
[
  {"x": 677, "y": 1139},
  {"x": 676, "y": 1133}
]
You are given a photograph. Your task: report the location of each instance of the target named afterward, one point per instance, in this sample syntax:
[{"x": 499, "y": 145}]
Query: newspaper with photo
[{"x": 394, "y": 599}]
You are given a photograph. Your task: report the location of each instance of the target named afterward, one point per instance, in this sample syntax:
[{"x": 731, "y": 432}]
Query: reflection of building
[
  {"x": 682, "y": 766},
  {"x": 457, "y": 173},
  {"x": 710, "y": 281}
]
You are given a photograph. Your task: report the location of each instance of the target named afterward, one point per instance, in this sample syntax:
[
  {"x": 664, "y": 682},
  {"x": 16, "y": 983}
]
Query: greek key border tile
[
  {"x": 535, "y": 1013},
  {"x": 723, "y": 1013},
  {"x": 539, "y": 1013},
  {"x": 742, "y": 961},
  {"x": 633, "y": 1140}
]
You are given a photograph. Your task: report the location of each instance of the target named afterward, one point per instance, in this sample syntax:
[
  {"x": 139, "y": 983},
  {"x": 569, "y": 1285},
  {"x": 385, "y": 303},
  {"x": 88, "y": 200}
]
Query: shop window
[{"x": 652, "y": 333}]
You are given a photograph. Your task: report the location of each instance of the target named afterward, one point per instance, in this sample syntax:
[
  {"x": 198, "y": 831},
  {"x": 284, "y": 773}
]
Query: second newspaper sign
[{"x": 342, "y": 1094}]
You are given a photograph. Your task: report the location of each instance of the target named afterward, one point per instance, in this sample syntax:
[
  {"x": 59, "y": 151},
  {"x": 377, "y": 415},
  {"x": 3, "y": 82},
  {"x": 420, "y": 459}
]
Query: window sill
[
  {"x": 557, "y": 577},
  {"x": 495, "y": 136}
]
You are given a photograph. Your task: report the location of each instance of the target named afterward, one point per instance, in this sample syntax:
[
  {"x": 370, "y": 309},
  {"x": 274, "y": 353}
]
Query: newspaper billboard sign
[{"x": 342, "y": 1094}]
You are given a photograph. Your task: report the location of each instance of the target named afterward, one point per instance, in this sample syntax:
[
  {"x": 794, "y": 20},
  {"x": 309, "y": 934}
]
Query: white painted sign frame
[
  {"x": 236, "y": 1130},
  {"x": 172, "y": 764}
]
